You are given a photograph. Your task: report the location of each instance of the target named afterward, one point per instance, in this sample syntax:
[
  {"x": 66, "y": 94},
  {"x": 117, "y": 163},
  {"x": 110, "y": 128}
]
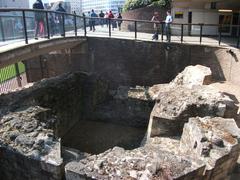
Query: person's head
[
  {"x": 60, "y": 4},
  {"x": 88, "y": 12},
  {"x": 110, "y": 12},
  {"x": 168, "y": 12},
  {"x": 101, "y": 12},
  {"x": 92, "y": 10},
  {"x": 156, "y": 14},
  {"x": 119, "y": 14}
]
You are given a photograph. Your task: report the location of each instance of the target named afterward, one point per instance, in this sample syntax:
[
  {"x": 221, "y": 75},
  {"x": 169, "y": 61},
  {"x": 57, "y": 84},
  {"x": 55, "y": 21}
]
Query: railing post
[
  {"x": 48, "y": 29},
  {"x": 109, "y": 27},
  {"x": 85, "y": 26},
  {"x": 75, "y": 23},
  {"x": 220, "y": 34},
  {"x": 135, "y": 29},
  {"x": 18, "y": 75},
  {"x": 2, "y": 29},
  {"x": 181, "y": 33},
  {"x": 63, "y": 24},
  {"x": 201, "y": 29},
  {"x": 25, "y": 27},
  {"x": 162, "y": 30},
  {"x": 238, "y": 42}
]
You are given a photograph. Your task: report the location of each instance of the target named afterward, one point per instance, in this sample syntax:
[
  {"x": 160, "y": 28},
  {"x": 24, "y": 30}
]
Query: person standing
[
  {"x": 93, "y": 16},
  {"x": 119, "y": 21},
  {"x": 156, "y": 25},
  {"x": 106, "y": 18},
  {"x": 89, "y": 20},
  {"x": 101, "y": 15},
  {"x": 168, "y": 23},
  {"x": 39, "y": 19},
  {"x": 111, "y": 16},
  {"x": 61, "y": 18}
]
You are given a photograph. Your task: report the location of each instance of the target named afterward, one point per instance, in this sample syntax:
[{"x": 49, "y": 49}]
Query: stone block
[
  {"x": 193, "y": 76},
  {"x": 211, "y": 140},
  {"x": 174, "y": 106}
]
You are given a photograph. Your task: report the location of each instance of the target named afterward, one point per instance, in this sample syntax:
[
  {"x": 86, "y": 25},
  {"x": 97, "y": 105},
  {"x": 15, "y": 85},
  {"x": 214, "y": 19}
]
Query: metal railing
[
  {"x": 71, "y": 24},
  {"x": 21, "y": 24}
]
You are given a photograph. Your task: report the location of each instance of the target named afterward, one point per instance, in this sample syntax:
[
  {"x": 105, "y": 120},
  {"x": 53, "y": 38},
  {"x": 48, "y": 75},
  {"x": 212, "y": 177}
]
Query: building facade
[
  {"x": 70, "y": 6},
  {"x": 76, "y": 6},
  {"x": 102, "y": 5},
  {"x": 14, "y": 3},
  {"x": 226, "y": 12}
]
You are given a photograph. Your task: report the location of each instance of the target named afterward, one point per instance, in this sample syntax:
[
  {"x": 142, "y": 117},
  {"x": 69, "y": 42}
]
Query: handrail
[
  {"x": 80, "y": 16},
  {"x": 75, "y": 16}
]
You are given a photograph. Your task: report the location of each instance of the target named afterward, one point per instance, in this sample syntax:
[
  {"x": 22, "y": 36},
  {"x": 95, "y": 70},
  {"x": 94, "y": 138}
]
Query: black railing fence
[
  {"x": 21, "y": 23},
  {"x": 24, "y": 24}
]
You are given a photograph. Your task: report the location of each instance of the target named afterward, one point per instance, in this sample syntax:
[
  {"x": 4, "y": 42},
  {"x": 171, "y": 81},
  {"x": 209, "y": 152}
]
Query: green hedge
[
  {"x": 9, "y": 72},
  {"x": 135, "y": 4}
]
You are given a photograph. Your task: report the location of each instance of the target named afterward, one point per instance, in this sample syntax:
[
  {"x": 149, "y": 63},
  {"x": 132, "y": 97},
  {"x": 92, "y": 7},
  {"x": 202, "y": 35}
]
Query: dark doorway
[
  {"x": 235, "y": 21},
  {"x": 190, "y": 22}
]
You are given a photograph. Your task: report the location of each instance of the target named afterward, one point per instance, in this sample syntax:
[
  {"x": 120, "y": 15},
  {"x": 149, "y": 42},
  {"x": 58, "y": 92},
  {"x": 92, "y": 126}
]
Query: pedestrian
[
  {"x": 111, "y": 16},
  {"x": 168, "y": 22},
  {"x": 39, "y": 19},
  {"x": 156, "y": 25},
  {"x": 119, "y": 21},
  {"x": 106, "y": 18},
  {"x": 61, "y": 18},
  {"x": 89, "y": 20},
  {"x": 93, "y": 16},
  {"x": 101, "y": 15},
  {"x": 52, "y": 24}
]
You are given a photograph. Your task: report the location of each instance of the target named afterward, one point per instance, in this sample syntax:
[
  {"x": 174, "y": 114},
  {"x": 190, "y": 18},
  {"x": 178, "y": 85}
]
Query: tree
[{"x": 135, "y": 4}]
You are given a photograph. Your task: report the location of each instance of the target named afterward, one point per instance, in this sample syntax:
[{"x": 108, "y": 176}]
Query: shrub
[{"x": 135, "y": 4}]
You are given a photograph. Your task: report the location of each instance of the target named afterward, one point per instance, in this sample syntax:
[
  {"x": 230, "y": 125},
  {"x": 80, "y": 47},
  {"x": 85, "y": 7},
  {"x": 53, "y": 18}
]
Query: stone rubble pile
[
  {"x": 191, "y": 133},
  {"x": 29, "y": 135},
  {"x": 198, "y": 143},
  {"x": 215, "y": 141},
  {"x": 142, "y": 163}
]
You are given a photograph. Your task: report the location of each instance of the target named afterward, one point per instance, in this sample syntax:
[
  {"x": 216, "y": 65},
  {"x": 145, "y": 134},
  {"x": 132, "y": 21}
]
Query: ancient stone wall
[
  {"x": 33, "y": 120},
  {"x": 131, "y": 63}
]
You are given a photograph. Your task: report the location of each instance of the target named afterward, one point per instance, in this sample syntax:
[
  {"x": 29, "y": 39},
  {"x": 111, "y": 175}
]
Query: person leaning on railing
[
  {"x": 156, "y": 26},
  {"x": 168, "y": 22}
]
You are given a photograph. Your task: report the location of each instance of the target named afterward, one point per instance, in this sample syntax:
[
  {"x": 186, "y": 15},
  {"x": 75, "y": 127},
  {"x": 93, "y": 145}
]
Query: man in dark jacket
[
  {"x": 60, "y": 17},
  {"x": 101, "y": 15},
  {"x": 39, "y": 18}
]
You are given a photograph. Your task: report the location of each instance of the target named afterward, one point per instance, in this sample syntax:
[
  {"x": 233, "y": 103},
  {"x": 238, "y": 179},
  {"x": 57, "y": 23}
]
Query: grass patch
[{"x": 9, "y": 72}]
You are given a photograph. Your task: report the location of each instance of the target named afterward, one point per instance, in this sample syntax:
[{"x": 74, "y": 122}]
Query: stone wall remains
[{"x": 131, "y": 63}]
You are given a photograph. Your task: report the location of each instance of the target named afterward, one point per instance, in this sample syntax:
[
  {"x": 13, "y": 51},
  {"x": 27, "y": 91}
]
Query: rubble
[
  {"x": 145, "y": 163},
  {"x": 215, "y": 141},
  {"x": 193, "y": 76},
  {"x": 191, "y": 133}
]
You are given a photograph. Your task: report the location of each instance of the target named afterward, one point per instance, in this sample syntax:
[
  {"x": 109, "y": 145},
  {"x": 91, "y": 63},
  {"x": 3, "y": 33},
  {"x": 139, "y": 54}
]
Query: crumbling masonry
[{"x": 190, "y": 135}]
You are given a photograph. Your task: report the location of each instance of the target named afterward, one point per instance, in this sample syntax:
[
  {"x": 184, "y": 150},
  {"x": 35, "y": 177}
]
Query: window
[{"x": 179, "y": 15}]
